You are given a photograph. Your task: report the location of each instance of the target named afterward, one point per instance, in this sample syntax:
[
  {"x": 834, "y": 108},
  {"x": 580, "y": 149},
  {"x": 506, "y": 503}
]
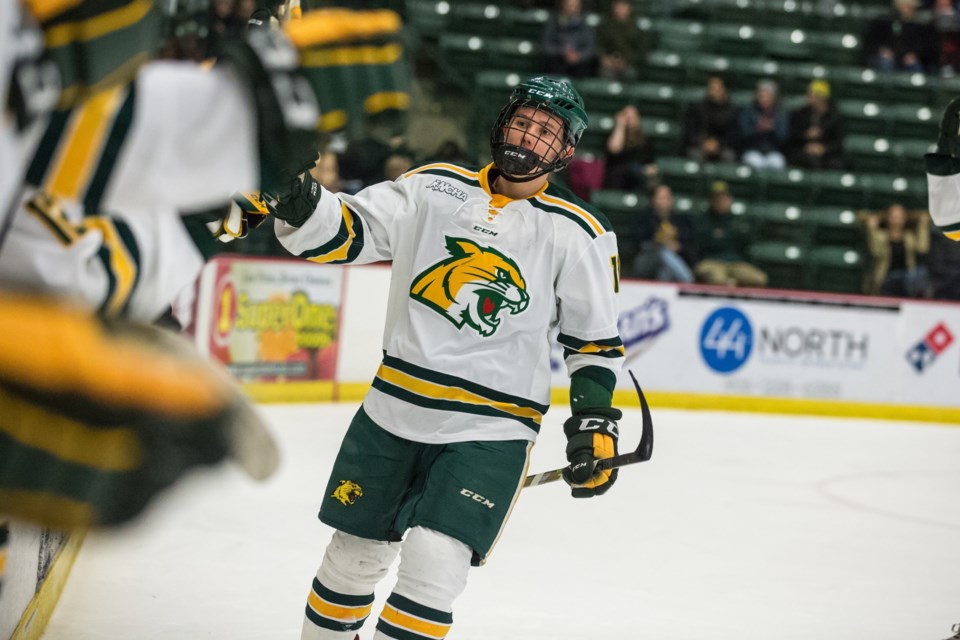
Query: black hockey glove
[
  {"x": 591, "y": 435},
  {"x": 297, "y": 204}
]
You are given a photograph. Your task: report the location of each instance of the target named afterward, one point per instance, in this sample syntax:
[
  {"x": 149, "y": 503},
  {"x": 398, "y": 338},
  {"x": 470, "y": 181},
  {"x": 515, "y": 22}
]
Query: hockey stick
[{"x": 642, "y": 454}]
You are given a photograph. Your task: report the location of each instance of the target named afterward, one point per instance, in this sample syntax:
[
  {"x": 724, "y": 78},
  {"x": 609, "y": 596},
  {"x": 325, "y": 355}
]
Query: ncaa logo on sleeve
[{"x": 726, "y": 340}]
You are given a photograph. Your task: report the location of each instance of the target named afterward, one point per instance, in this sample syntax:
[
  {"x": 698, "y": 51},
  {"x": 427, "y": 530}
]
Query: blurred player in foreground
[
  {"x": 485, "y": 264},
  {"x": 98, "y": 416}
]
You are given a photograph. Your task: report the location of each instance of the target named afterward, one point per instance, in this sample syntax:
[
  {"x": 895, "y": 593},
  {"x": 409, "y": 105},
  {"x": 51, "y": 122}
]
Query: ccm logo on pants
[{"x": 476, "y": 498}]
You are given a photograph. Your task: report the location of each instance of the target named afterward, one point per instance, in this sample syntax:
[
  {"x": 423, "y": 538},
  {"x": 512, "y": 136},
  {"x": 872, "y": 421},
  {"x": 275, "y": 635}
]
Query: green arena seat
[
  {"x": 913, "y": 121},
  {"x": 603, "y": 95},
  {"x": 783, "y": 262},
  {"x": 885, "y": 189},
  {"x": 835, "y": 226},
  {"x": 789, "y": 185},
  {"x": 745, "y": 182},
  {"x": 781, "y": 222},
  {"x": 665, "y": 66},
  {"x": 835, "y": 269},
  {"x": 865, "y": 117},
  {"x": 682, "y": 175},
  {"x": 843, "y": 188},
  {"x": 866, "y": 153}
]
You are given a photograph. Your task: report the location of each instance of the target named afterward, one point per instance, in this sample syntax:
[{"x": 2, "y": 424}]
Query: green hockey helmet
[{"x": 523, "y": 152}]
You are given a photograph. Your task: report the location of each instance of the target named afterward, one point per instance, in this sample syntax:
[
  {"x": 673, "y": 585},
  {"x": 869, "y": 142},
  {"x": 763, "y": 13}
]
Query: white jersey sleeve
[
  {"x": 120, "y": 265},
  {"x": 180, "y": 136},
  {"x": 586, "y": 294},
  {"x": 356, "y": 229}
]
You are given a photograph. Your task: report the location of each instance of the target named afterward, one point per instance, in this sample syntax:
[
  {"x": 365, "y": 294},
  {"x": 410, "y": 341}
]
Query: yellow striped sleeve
[
  {"x": 78, "y": 154},
  {"x": 122, "y": 264},
  {"x": 340, "y": 252}
]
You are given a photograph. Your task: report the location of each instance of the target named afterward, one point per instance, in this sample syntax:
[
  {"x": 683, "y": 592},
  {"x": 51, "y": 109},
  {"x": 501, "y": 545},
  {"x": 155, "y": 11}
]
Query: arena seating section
[{"x": 807, "y": 228}]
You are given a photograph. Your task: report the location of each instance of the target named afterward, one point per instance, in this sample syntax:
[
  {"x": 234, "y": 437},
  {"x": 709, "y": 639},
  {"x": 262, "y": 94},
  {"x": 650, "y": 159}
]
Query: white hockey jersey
[
  {"x": 99, "y": 220},
  {"x": 479, "y": 281}
]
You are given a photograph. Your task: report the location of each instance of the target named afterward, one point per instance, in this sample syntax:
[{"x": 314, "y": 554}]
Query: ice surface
[{"x": 741, "y": 527}]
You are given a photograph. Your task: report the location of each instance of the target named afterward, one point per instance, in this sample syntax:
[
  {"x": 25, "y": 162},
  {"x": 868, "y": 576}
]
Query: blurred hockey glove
[
  {"x": 948, "y": 142},
  {"x": 246, "y": 212},
  {"x": 97, "y": 418},
  {"x": 591, "y": 436},
  {"x": 298, "y": 203}
]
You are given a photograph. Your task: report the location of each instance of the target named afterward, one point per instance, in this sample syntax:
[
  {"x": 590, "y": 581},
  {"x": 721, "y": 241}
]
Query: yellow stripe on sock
[
  {"x": 417, "y": 625},
  {"x": 338, "y": 612}
]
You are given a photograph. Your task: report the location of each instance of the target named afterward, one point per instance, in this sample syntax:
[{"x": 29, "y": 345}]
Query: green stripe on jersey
[
  {"x": 449, "y": 405},
  {"x": 448, "y": 380},
  {"x": 109, "y": 154}
]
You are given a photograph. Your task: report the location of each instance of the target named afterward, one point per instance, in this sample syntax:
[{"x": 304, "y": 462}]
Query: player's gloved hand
[
  {"x": 298, "y": 203},
  {"x": 591, "y": 436},
  {"x": 99, "y": 417},
  {"x": 948, "y": 142}
]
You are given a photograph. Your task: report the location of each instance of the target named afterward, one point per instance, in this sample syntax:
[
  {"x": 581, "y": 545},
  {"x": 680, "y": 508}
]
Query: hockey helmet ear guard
[{"x": 553, "y": 96}]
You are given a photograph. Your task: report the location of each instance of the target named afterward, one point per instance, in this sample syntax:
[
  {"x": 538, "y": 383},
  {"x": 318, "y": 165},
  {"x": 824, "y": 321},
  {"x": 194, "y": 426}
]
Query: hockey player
[
  {"x": 943, "y": 174},
  {"x": 485, "y": 264},
  {"x": 99, "y": 417}
]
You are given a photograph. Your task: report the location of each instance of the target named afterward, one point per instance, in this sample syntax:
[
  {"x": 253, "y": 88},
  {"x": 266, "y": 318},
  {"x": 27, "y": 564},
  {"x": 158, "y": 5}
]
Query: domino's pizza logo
[
  {"x": 925, "y": 353},
  {"x": 726, "y": 340}
]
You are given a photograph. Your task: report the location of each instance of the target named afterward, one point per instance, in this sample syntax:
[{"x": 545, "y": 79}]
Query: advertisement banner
[
  {"x": 693, "y": 341},
  {"x": 271, "y": 320}
]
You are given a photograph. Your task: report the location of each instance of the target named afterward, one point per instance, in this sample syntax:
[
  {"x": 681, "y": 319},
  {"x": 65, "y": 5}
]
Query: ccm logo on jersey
[
  {"x": 595, "y": 424},
  {"x": 477, "y": 227},
  {"x": 476, "y": 498}
]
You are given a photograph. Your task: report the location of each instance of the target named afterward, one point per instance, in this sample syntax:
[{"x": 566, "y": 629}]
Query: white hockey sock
[
  {"x": 342, "y": 594},
  {"x": 433, "y": 572}
]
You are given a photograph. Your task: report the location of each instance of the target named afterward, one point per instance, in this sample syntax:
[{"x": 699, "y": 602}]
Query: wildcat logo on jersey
[
  {"x": 473, "y": 286},
  {"x": 347, "y": 492}
]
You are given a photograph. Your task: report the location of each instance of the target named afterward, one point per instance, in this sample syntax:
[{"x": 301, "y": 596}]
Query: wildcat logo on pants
[
  {"x": 347, "y": 493},
  {"x": 472, "y": 287}
]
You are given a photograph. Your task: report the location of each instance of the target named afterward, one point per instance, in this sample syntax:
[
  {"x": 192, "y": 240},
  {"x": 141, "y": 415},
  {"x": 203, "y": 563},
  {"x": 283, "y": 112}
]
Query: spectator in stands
[
  {"x": 630, "y": 160},
  {"x": 568, "y": 41},
  {"x": 946, "y": 20},
  {"x": 450, "y": 151},
  {"x": 899, "y": 249},
  {"x": 721, "y": 240},
  {"x": 762, "y": 129},
  {"x": 397, "y": 163},
  {"x": 901, "y": 42},
  {"x": 710, "y": 126},
  {"x": 327, "y": 171},
  {"x": 816, "y": 131},
  {"x": 621, "y": 44},
  {"x": 666, "y": 241}
]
